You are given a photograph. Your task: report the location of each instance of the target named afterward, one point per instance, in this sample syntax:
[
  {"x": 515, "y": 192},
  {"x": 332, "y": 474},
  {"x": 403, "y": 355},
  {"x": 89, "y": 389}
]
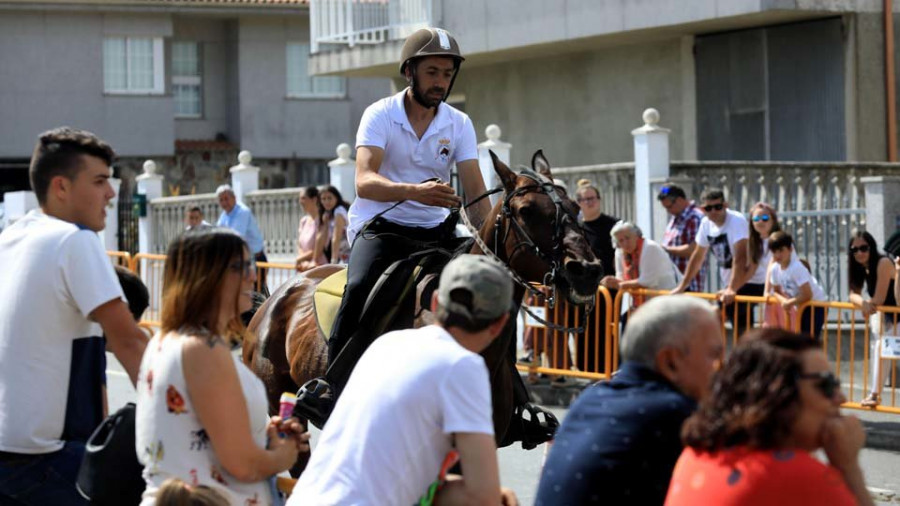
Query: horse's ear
[
  {"x": 540, "y": 164},
  {"x": 507, "y": 177}
]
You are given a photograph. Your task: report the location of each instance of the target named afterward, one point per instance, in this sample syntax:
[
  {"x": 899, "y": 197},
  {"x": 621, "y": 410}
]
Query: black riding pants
[{"x": 378, "y": 246}]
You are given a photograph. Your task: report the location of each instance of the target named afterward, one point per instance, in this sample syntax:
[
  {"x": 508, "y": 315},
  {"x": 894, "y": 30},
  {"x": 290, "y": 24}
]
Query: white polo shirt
[{"x": 450, "y": 139}]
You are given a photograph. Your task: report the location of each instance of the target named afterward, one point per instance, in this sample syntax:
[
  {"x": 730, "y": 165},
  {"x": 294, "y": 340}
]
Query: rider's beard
[{"x": 431, "y": 97}]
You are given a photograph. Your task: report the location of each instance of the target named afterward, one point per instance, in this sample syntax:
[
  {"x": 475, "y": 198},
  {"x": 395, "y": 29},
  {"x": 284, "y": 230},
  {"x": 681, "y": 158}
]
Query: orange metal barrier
[
  {"x": 275, "y": 274},
  {"x": 590, "y": 345},
  {"x": 150, "y": 268},
  {"x": 121, "y": 258}
]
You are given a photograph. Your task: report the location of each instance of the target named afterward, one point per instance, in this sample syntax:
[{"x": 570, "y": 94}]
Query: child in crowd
[{"x": 793, "y": 284}]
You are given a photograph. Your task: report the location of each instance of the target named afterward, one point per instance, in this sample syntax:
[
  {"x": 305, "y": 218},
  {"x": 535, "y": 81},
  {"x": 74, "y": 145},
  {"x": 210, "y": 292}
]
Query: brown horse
[{"x": 534, "y": 231}]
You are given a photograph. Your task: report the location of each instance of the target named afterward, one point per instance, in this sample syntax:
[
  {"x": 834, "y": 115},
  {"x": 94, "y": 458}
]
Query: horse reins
[{"x": 525, "y": 241}]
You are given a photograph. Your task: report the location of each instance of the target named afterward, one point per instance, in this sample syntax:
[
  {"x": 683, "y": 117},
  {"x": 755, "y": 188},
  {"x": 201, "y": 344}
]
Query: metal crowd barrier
[
  {"x": 848, "y": 341},
  {"x": 150, "y": 268}
]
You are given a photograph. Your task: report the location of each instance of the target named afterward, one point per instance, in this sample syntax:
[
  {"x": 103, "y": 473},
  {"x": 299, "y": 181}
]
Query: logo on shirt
[{"x": 444, "y": 148}]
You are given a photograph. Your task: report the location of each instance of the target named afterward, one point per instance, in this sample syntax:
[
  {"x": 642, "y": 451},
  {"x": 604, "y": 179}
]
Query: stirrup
[
  {"x": 315, "y": 400},
  {"x": 538, "y": 428}
]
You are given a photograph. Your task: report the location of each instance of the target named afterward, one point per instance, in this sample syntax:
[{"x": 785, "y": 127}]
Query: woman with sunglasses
[
  {"x": 867, "y": 267},
  {"x": 763, "y": 223},
  {"x": 202, "y": 415},
  {"x": 773, "y": 403}
]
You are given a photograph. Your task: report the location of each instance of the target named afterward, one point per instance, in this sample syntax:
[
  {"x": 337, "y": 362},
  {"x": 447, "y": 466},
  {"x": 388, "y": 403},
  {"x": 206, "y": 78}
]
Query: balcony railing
[{"x": 352, "y": 22}]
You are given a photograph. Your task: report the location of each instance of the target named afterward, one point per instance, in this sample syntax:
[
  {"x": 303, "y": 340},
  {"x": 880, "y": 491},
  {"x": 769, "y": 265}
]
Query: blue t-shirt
[
  {"x": 241, "y": 220},
  {"x": 618, "y": 444}
]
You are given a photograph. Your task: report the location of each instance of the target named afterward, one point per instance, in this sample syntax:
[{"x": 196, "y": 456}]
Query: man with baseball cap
[{"x": 416, "y": 399}]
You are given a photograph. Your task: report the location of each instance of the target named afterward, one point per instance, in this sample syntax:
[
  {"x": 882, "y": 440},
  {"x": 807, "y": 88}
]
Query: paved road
[{"x": 520, "y": 469}]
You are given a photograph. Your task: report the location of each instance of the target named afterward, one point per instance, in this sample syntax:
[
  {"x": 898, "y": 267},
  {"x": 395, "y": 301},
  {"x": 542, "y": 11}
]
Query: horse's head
[{"x": 538, "y": 234}]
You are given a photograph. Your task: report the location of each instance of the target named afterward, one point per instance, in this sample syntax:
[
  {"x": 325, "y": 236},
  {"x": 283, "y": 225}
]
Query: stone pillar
[
  {"x": 882, "y": 206},
  {"x": 501, "y": 149},
  {"x": 110, "y": 235},
  {"x": 17, "y": 205},
  {"x": 343, "y": 172},
  {"x": 651, "y": 162},
  {"x": 244, "y": 177},
  {"x": 150, "y": 185}
]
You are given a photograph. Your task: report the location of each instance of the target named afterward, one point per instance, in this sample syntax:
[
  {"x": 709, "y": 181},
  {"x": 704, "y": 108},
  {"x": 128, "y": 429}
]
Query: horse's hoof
[
  {"x": 315, "y": 400},
  {"x": 538, "y": 428}
]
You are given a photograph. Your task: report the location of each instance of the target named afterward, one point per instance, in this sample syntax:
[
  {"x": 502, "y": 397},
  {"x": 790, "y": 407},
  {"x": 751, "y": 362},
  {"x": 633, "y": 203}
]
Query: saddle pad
[{"x": 327, "y": 300}]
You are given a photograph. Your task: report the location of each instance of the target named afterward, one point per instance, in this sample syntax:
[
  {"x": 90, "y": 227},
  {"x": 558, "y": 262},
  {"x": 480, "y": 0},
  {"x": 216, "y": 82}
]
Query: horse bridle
[{"x": 554, "y": 260}]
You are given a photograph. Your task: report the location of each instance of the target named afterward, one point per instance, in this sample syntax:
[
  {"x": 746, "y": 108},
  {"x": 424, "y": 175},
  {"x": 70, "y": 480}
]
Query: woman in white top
[
  {"x": 333, "y": 212},
  {"x": 640, "y": 263},
  {"x": 763, "y": 223},
  {"x": 202, "y": 416}
]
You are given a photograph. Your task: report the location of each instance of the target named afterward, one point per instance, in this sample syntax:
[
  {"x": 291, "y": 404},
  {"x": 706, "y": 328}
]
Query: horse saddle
[{"x": 385, "y": 298}]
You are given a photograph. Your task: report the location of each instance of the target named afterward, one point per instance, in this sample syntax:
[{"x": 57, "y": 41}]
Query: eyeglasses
[
  {"x": 585, "y": 199},
  {"x": 246, "y": 267},
  {"x": 827, "y": 382},
  {"x": 862, "y": 249},
  {"x": 716, "y": 207},
  {"x": 761, "y": 217}
]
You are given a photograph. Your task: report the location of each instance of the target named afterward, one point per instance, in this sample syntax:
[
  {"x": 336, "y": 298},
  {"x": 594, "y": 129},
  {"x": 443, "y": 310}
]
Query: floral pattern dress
[{"x": 170, "y": 441}]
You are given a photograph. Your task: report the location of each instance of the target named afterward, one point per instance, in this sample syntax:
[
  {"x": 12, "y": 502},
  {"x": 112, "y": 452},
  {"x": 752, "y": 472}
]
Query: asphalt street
[{"x": 520, "y": 469}]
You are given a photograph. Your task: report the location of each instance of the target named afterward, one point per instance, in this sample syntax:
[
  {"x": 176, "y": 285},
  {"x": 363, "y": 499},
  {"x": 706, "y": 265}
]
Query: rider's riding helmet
[{"x": 429, "y": 42}]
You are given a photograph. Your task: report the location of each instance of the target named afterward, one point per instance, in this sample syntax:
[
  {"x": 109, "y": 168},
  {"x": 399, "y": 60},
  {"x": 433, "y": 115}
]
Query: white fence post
[
  {"x": 501, "y": 149},
  {"x": 150, "y": 185},
  {"x": 882, "y": 206},
  {"x": 244, "y": 177},
  {"x": 16, "y": 205},
  {"x": 110, "y": 235},
  {"x": 343, "y": 172},
  {"x": 651, "y": 165}
]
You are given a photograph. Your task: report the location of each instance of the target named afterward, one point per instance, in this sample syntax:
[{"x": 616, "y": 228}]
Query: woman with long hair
[
  {"x": 867, "y": 267},
  {"x": 202, "y": 415},
  {"x": 310, "y": 236},
  {"x": 763, "y": 223},
  {"x": 773, "y": 403},
  {"x": 333, "y": 215}
]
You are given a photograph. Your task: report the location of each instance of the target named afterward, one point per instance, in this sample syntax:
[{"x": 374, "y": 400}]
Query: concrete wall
[
  {"x": 211, "y": 35},
  {"x": 274, "y": 126},
  {"x": 51, "y": 74},
  {"x": 580, "y": 108}
]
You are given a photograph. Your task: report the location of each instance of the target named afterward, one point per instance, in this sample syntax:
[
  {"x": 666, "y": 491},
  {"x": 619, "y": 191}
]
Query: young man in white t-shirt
[
  {"x": 60, "y": 295},
  {"x": 793, "y": 285},
  {"x": 725, "y": 232},
  {"x": 393, "y": 427},
  {"x": 406, "y": 147}
]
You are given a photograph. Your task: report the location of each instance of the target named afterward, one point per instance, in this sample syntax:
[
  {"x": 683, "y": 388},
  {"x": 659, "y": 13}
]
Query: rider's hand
[{"x": 437, "y": 194}]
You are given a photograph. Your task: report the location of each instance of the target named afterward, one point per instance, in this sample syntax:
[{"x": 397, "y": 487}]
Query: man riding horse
[{"x": 406, "y": 147}]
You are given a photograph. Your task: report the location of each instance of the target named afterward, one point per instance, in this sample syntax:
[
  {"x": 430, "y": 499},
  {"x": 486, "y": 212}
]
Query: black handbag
[{"x": 110, "y": 472}]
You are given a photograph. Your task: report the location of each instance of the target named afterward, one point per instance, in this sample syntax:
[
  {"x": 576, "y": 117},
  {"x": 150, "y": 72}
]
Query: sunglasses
[
  {"x": 826, "y": 382},
  {"x": 761, "y": 217},
  {"x": 716, "y": 207},
  {"x": 862, "y": 249},
  {"x": 246, "y": 267}
]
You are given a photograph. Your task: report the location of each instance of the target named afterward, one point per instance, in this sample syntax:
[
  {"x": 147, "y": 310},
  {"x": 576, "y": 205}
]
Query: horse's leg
[{"x": 502, "y": 395}]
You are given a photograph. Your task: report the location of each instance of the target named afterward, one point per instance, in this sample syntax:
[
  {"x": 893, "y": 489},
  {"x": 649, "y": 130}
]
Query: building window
[
  {"x": 301, "y": 85},
  {"x": 187, "y": 80},
  {"x": 133, "y": 65}
]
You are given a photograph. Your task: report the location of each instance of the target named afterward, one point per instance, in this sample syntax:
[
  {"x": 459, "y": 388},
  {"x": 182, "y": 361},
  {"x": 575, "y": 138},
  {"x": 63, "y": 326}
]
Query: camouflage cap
[{"x": 475, "y": 286}]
